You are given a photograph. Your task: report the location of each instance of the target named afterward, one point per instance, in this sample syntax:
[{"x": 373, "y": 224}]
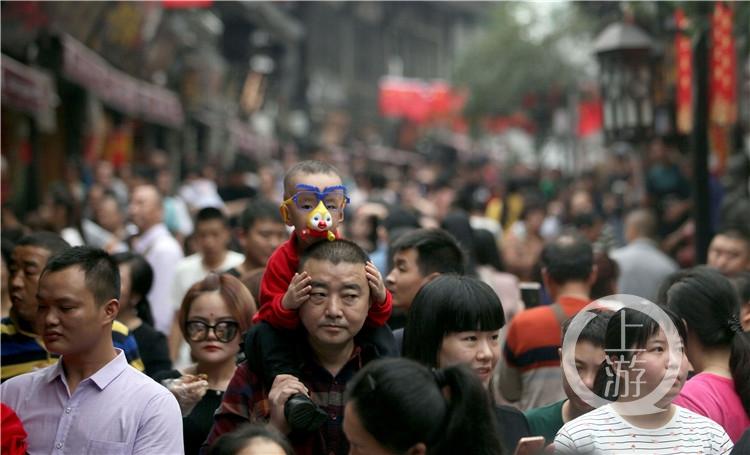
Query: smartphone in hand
[{"x": 532, "y": 445}]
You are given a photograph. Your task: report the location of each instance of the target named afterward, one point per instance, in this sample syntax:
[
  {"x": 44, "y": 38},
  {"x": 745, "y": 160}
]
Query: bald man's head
[
  {"x": 146, "y": 207},
  {"x": 640, "y": 223}
]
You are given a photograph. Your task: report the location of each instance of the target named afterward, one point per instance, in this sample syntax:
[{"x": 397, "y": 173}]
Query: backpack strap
[{"x": 559, "y": 313}]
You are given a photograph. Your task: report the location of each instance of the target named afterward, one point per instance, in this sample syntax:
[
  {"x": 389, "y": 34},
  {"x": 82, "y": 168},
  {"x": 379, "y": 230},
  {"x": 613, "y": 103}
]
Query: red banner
[
  {"x": 684, "y": 79},
  {"x": 590, "y": 117},
  {"x": 723, "y": 87},
  {"x": 419, "y": 101},
  {"x": 186, "y": 4}
]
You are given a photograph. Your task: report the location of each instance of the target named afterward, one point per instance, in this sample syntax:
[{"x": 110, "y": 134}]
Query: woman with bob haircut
[
  {"x": 716, "y": 345},
  {"x": 456, "y": 320},
  {"x": 213, "y": 315},
  {"x": 397, "y": 406}
]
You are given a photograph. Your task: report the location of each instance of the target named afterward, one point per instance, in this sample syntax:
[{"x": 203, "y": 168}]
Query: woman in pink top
[{"x": 716, "y": 346}]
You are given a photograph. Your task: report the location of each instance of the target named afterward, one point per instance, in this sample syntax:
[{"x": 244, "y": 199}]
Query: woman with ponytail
[
  {"x": 716, "y": 346},
  {"x": 397, "y": 406}
]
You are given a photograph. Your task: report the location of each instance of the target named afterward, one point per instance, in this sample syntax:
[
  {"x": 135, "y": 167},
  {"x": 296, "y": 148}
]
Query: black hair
[
  {"x": 741, "y": 283},
  {"x": 336, "y": 251},
  {"x": 46, "y": 240},
  {"x": 640, "y": 326},
  {"x": 448, "y": 304},
  {"x": 607, "y": 272},
  {"x": 6, "y": 246},
  {"x": 594, "y": 330},
  {"x": 437, "y": 251},
  {"x": 210, "y": 214},
  {"x": 102, "y": 273},
  {"x": 373, "y": 222},
  {"x": 532, "y": 202},
  {"x": 62, "y": 197},
  {"x": 110, "y": 194},
  {"x": 457, "y": 224},
  {"x": 308, "y": 167},
  {"x": 487, "y": 250},
  {"x": 708, "y": 303},
  {"x": 401, "y": 403},
  {"x": 400, "y": 217},
  {"x": 141, "y": 280},
  {"x": 585, "y": 220},
  {"x": 568, "y": 258},
  {"x": 232, "y": 443},
  {"x": 257, "y": 210},
  {"x": 735, "y": 231}
]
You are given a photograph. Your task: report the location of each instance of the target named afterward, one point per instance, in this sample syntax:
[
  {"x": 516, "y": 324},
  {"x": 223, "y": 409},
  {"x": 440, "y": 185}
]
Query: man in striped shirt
[
  {"x": 529, "y": 372},
  {"x": 21, "y": 348}
]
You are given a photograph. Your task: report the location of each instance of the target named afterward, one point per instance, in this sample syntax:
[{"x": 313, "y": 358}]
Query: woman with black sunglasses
[{"x": 214, "y": 314}]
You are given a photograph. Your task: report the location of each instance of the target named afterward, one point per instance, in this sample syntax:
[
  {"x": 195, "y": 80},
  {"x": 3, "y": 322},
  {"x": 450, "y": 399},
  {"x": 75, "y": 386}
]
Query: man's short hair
[
  {"x": 335, "y": 252},
  {"x": 735, "y": 231},
  {"x": 101, "y": 270},
  {"x": 437, "y": 251},
  {"x": 568, "y": 258},
  {"x": 210, "y": 214},
  {"x": 45, "y": 240},
  {"x": 61, "y": 197},
  {"x": 155, "y": 190},
  {"x": 308, "y": 167},
  {"x": 111, "y": 195},
  {"x": 644, "y": 221},
  {"x": 594, "y": 330},
  {"x": 259, "y": 210}
]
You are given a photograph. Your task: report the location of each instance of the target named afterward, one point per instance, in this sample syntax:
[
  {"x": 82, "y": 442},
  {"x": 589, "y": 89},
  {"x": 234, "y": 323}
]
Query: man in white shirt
[
  {"x": 212, "y": 239},
  {"x": 159, "y": 248},
  {"x": 91, "y": 401}
]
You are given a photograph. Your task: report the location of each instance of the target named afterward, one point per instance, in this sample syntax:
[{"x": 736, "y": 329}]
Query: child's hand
[
  {"x": 298, "y": 291},
  {"x": 377, "y": 286}
]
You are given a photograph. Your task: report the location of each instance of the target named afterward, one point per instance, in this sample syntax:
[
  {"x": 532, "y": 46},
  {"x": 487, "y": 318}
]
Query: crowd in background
[{"x": 171, "y": 230}]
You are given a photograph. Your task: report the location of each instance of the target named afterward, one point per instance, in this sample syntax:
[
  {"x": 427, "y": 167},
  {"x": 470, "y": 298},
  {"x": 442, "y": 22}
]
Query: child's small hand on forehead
[
  {"x": 298, "y": 291},
  {"x": 375, "y": 280}
]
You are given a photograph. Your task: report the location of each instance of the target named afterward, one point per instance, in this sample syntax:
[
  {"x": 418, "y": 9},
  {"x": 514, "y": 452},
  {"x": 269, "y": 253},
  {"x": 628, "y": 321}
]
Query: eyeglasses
[
  {"x": 308, "y": 197},
  {"x": 225, "y": 331}
]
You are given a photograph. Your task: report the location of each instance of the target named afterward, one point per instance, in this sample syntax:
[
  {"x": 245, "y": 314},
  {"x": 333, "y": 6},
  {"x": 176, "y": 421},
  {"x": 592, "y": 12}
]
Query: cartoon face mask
[
  {"x": 321, "y": 207},
  {"x": 320, "y": 218},
  {"x": 319, "y": 221}
]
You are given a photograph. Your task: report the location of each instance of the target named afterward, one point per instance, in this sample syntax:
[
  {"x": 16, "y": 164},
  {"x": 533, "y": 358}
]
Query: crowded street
[{"x": 373, "y": 228}]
